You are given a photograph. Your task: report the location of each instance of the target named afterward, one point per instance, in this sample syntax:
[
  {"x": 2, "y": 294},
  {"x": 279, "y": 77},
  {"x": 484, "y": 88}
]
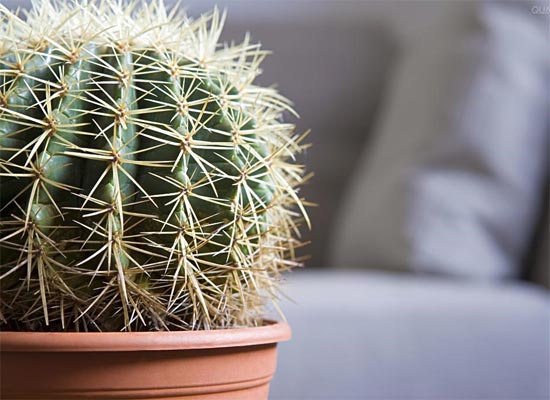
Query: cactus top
[{"x": 145, "y": 181}]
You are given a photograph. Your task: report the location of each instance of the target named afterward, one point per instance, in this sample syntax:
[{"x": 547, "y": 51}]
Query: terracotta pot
[{"x": 235, "y": 364}]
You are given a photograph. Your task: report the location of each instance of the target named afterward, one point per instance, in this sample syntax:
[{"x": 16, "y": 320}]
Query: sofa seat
[{"x": 375, "y": 335}]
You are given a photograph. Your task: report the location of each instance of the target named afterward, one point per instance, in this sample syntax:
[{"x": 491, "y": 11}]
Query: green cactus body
[{"x": 145, "y": 182}]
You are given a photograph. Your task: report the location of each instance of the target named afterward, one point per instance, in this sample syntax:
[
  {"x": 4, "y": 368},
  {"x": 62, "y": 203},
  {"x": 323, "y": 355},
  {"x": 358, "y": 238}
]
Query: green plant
[{"x": 146, "y": 182}]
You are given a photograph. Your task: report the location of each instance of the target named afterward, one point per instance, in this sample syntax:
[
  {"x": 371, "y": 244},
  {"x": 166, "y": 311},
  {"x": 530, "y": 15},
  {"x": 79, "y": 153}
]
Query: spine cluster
[{"x": 145, "y": 181}]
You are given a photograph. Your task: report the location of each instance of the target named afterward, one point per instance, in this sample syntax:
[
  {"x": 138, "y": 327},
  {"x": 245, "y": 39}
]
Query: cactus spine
[{"x": 145, "y": 181}]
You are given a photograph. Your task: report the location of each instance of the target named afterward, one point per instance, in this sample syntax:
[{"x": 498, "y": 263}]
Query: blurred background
[{"x": 428, "y": 268}]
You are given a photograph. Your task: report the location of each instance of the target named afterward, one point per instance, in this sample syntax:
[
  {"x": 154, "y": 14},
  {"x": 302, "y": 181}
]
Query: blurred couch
[
  {"x": 428, "y": 273},
  {"x": 423, "y": 283}
]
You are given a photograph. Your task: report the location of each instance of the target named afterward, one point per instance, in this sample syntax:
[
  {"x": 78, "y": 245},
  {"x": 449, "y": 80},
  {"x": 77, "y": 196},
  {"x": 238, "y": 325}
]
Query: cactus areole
[{"x": 146, "y": 182}]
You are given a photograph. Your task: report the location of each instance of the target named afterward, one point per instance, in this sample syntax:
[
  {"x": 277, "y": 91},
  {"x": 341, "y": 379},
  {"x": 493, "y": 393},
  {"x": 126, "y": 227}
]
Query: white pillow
[{"x": 453, "y": 181}]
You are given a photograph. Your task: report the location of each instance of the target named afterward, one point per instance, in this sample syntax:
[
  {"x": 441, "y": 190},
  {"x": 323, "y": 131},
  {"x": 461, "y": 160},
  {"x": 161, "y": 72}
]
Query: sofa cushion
[
  {"x": 360, "y": 335},
  {"x": 454, "y": 180}
]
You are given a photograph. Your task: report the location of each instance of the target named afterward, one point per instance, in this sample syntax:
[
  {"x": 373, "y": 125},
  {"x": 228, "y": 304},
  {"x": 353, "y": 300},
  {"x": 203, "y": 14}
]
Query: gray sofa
[
  {"x": 390, "y": 328},
  {"x": 370, "y": 319}
]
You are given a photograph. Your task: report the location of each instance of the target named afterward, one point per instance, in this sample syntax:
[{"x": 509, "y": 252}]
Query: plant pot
[{"x": 235, "y": 364}]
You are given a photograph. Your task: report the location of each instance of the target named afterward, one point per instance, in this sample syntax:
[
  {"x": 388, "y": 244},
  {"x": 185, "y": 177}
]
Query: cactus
[{"x": 146, "y": 183}]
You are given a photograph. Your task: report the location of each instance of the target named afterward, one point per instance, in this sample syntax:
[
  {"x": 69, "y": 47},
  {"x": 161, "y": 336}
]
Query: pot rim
[{"x": 269, "y": 333}]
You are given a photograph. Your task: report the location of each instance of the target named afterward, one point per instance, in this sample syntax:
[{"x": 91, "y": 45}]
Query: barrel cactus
[{"x": 146, "y": 182}]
